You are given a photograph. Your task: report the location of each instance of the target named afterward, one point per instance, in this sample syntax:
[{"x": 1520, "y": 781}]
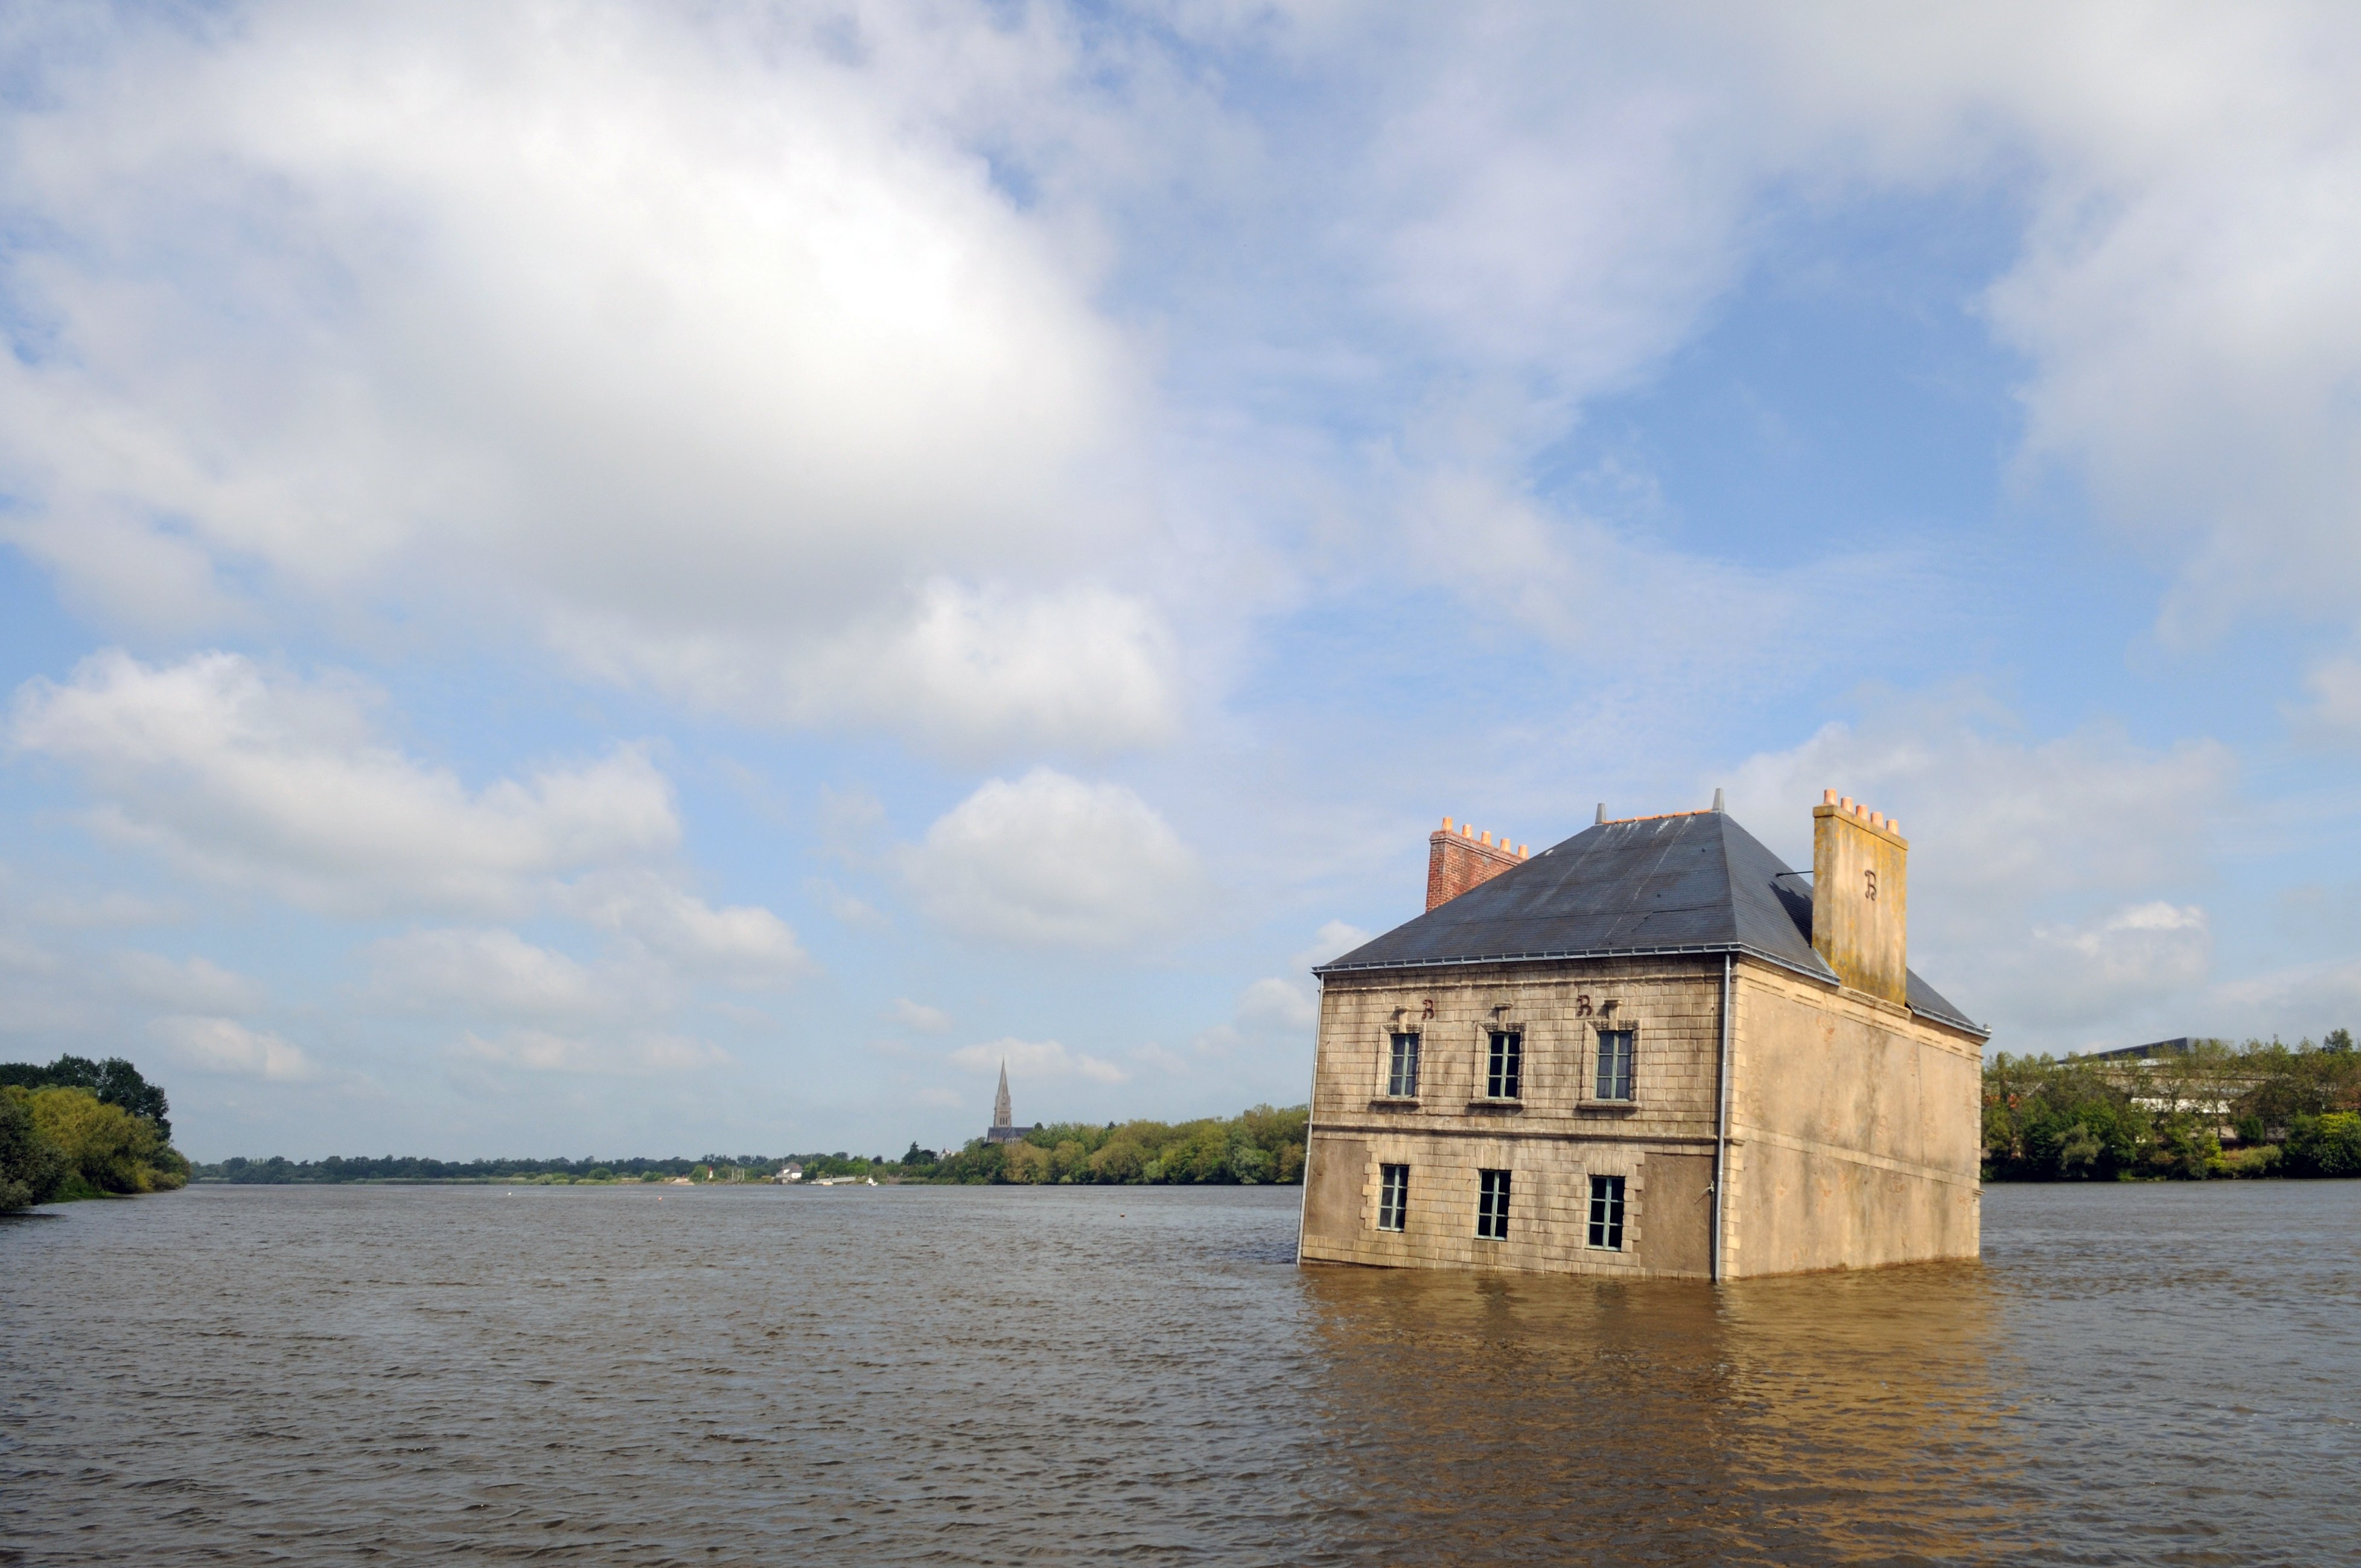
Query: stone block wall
[
  {"x": 1665, "y": 1218},
  {"x": 1853, "y": 1136},
  {"x": 1855, "y": 1131},
  {"x": 1553, "y": 1139}
]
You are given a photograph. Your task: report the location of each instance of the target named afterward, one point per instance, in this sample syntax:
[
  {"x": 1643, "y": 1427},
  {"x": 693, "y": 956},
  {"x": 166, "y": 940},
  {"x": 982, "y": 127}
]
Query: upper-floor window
[
  {"x": 1492, "y": 1205},
  {"x": 1401, "y": 1067},
  {"x": 1614, "y": 1080},
  {"x": 1504, "y": 1065},
  {"x": 1393, "y": 1196},
  {"x": 1607, "y": 1213}
]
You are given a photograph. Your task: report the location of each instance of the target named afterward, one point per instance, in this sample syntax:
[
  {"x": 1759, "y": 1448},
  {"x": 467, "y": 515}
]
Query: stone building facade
[{"x": 1651, "y": 1050}]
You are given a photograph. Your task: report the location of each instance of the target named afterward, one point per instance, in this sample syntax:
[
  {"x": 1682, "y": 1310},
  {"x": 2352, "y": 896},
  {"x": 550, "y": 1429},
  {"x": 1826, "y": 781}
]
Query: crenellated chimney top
[
  {"x": 1458, "y": 861},
  {"x": 1860, "y": 896}
]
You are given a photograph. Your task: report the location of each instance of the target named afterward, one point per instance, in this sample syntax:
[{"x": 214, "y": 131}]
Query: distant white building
[{"x": 788, "y": 1172}]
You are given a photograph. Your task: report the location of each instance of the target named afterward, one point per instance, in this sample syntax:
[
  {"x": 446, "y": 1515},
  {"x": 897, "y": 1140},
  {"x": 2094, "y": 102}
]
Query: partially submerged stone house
[{"x": 1651, "y": 1050}]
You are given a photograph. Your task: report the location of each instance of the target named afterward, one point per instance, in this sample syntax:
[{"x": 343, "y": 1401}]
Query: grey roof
[{"x": 1693, "y": 883}]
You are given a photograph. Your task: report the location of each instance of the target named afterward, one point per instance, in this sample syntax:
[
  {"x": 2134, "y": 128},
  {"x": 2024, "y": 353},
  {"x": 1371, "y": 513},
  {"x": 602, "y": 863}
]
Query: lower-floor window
[
  {"x": 1492, "y": 1205},
  {"x": 1393, "y": 1196},
  {"x": 1607, "y": 1213}
]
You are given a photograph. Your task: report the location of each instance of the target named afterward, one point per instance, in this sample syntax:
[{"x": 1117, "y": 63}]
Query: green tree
[
  {"x": 32, "y": 1168},
  {"x": 2050, "y": 1120},
  {"x": 1120, "y": 1159},
  {"x": 115, "y": 1082},
  {"x": 2325, "y": 1145},
  {"x": 109, "y": 1150}
]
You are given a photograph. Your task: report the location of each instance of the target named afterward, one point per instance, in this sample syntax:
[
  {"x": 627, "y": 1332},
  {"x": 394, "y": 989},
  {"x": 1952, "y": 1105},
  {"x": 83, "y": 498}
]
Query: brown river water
[{"x": 879, "y": 1375}]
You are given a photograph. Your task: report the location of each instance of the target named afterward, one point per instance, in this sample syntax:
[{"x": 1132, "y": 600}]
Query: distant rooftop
[{"x": 2179, "y": 1046}]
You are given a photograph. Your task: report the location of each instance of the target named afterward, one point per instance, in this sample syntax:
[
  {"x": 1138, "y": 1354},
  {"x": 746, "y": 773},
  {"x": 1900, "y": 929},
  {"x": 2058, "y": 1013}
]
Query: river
[{"x": 655, "y": 1375}]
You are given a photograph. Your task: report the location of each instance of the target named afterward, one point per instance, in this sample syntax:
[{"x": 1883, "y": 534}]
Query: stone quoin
[{"x": 1651, "y": 1050}]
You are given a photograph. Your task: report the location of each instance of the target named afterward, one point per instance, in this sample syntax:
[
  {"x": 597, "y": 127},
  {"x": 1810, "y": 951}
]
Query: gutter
[
  {"x": 1310, "y": 1120},
  {"x": 1721, "y": 1122}
]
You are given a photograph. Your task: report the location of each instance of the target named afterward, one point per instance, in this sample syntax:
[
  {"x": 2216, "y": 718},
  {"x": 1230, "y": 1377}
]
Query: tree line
[
  {"x": 278, "y": 1170},
  {"x": 2260, "y": 1109},
  {"x": 1263, "y": 1144},
  {"x": 78, "y": 1128}
]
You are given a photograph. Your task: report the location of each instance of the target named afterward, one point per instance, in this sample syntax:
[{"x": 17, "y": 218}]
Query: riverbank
[
  {"x": 1262, "y": 1145},
  {"x": 2208, "y": 1111}
]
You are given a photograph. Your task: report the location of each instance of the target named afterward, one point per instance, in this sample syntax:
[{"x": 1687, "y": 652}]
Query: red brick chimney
[{"x": 1458, "y": 861}]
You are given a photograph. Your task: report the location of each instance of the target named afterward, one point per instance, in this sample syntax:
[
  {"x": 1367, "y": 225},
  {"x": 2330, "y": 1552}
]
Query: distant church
[
  {"x": 1003, "y": 1129},
  {"x": 1651, "y": 1050}
]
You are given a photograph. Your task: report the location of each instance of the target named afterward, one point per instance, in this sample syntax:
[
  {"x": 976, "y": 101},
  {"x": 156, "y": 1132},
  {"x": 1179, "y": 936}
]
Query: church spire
[{"x": 1002, "y": 1116}]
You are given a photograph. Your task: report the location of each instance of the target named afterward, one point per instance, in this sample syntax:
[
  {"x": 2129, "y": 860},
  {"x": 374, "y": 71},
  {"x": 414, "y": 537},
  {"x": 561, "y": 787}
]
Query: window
[
  {"x": 1607, "y": 1213},
  {"x": 1393, "y": 1196},
  {"x": 1401, "y": 1073},
  {"x": 1615, "y": 1064},
  {"x": 1504, "y": 1071},
  {"x": 1492, "y": 1206}
]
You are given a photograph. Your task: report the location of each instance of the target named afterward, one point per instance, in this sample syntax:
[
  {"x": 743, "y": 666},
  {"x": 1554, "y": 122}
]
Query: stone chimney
[
  {"x": 1458, "y": 861},
  {"x": 1860, "y": 896}
]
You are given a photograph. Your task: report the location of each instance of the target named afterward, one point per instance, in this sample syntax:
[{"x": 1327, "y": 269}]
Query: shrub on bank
[
  {"x": 2324, "y": 1145},
  {"x": 32, "y": 1168},
  {"x": 107, "y": 1149},
  {"x": 60, "y": 1143},
  {"x": 2261, "y": 1160}
]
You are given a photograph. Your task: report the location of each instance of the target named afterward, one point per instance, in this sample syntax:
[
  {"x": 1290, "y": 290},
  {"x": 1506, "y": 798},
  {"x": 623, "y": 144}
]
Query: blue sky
[{"x": 621, "y": 579}]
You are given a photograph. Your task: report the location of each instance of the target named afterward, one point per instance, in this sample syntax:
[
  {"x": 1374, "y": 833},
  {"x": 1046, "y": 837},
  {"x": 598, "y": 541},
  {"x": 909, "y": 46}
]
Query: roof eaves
[
  {"x": 1749, "y": 950},
  {"x": 1980, "y": 1031}
]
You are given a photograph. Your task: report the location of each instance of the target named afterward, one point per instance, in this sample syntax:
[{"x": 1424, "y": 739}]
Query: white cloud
[
  {"x": 1333, "y": 940},
  {"x": 1469, "y": 526},
  {"x": 744, "y": 944},
  {"x": 2126, "y": 962},
  {"x": 226, "y": 1045},
  {"x": 968, "y": 671},
  {"x": 490, "y": 973},
  {"x": 856, "y": 911},
  {"x": 2043, "y": 873},
  {"x": 1048, "y": 861},
  {"x": 920, "y": 1016},
  {"x": 1162, "y": 1059},
  {"x": 335, "y": 305},
  {"x": 191, "y": 985},
  {"x": 1036, "y": 1059},
  {"x": 2336, "y": 707},
  {"x": 257, "y": 779},
  {"x": 2303, "y": 1000},
  {"x": 1281, "y": 1005},
  {"x": 2182, "y": 296},
  {"x": 1996, "y": 818},
  {"x": 1553, "y": 200},
  {"x": 635, "y": 1055},
  {"x": 1535, "y": 197}
]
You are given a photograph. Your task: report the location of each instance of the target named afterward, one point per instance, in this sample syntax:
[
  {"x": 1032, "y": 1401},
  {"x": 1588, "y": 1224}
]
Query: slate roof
[{"x": 1693, "y": 883}]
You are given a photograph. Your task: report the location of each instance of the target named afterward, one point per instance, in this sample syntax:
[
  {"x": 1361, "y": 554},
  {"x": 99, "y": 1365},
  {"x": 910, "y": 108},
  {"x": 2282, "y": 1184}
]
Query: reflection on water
[
  {"x": 2134, "y": 1374},
  {"x": 1799, "y": 1420}
]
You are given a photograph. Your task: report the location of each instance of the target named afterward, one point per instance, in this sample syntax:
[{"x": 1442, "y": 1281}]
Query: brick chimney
[
  {"x": 1860, "y": 896},
  {"x": 1458, "y": 861}
]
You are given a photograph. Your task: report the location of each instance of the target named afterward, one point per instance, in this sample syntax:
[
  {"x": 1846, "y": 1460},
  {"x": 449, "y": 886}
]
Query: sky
[{"x": 598, "y": 578}]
